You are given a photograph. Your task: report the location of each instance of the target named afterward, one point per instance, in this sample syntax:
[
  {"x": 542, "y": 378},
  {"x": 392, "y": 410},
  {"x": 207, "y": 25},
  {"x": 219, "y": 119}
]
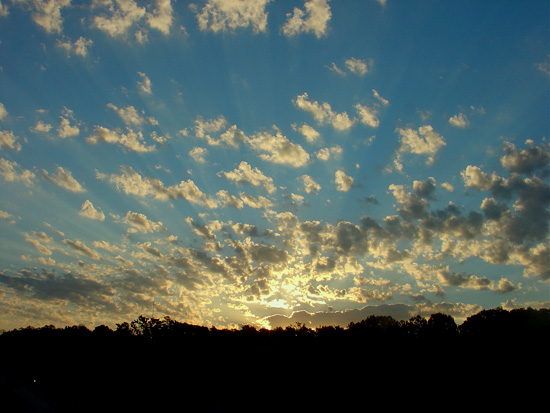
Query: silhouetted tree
[{"x": 442, "y": 326}]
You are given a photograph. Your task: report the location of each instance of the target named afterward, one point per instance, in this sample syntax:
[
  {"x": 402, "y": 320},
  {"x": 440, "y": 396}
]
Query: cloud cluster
[
  {"x": 293, "y": 261},
  {"x": 245, "y": 174},
  {"x": 11, "y": 171},
  {"x": 228, "y": 16},
  {"x": 117, "y": 17},
  {"x": 278, "y": 149},
  {"x": 272, "y": 146},
  {"x": 424, "y": 141},
  {"x": 324, "y": 114},
  {"x": 130, "y": 140},
  {"x": 131, "y": 182}
]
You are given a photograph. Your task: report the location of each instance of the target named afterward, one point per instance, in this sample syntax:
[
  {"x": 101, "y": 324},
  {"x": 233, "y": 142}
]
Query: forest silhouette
[{"x": 152, "y": 364}]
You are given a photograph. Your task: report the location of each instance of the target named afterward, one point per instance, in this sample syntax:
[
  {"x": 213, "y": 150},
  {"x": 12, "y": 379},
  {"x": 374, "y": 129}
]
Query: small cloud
[
  {"x": 129, "y": 115},
  {"x": 358, "y": 66},
  {"x": 544, "y": 67},
  {"x": 336, "y": 69},
  {"x": 65, "y": 129},
  {"x": 161, "y": 17},
  {"x": 313, "y": 18},
  {"x": 459, "y": 121},
  {"x": 244, "y": 173},
  {"x": 79, "y": 47},
  {"x": 89, "y": 211},
  {"x": 343, "y": 182},
  {"x": 367, "y": 116},
  {"x": 3, "y": 112},
  {"x": 81, "y": 248},
  {"x": 9, "y": 141},
  {"x": 198, "y": 154},
  {"x": 144, "y": 85},
  {"x": 325, "y": 153},
  {"x": 64, "y": 179},
  {"x": 383, "y": 101},
  {"x": 447, "y": 186},
  {"x": 424, "y": 141},
  {"x": 278, "y": 149},
  {"x": 141, "y": 223},
  {"x": 228, "y": 16},
  {"x": 323, "y": 113},
  {"x": 307, "y": 131},
  {"x": 310, "y": 185},
  {"x": 130, "y": 140},
  {"x": 11, "y": 171},
  {"x": 41, "y": 127}
]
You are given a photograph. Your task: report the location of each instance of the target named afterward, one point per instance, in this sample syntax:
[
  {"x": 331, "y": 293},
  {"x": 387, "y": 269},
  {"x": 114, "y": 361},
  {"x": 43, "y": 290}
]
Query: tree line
[
  {"x": 495, "y": 323},
  {"x": 163, "y": 364}
]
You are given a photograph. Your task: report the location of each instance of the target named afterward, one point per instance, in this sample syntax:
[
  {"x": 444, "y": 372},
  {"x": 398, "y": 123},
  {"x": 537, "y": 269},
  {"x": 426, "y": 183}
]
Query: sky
[{"x": 230, "y": 162}]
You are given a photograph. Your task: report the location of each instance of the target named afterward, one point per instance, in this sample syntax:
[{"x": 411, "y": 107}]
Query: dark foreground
[{"x": 495, "y": 359}]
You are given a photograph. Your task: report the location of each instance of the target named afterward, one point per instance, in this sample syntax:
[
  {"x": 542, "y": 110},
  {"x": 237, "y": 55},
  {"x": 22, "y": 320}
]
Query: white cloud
[
  {"x": 245, "y": 174},
  {"x": 81, "y": 248},
  {"x": 3, "y": 112},
  {"x": 233, "y": 136},
  {"x": 65, "y": 130},
  {"x": 425, "y": 141},
  {"x": 4, "y": 10},
  {"x": 383, "y": 101},
  {"x": 145, "y": 84},
  {"x": 198, "y": 154},
  {"x": 229, "y": 200},
  {"x": 447, "y": 186},
  {"x": 526, "y": 160},
  {"x": 229, "y": 15},
  {"x": 9, "y": 172},
  {"x": 63, "y": 179},
  {"x": 343, "y": 182},
  {"x": 336, "y": 69},
  {"x": 307, "y": 131},
  {"x": 89, "y": 211},
  {"x": 323, "y": 113},
  {"x": 367, "y": 116},
  {"x": 358, "y": 66},
  {"x": 459, "y": 121},
  {"x": 120, "y": 17},
  {"x": 129, "y": 114},
  {"x": 161, "y": 18},
  {"x": 325, "y": 153},
  {"x": 130, "y": 140},
  {"x": 9, "y": 141},
  {"x": 203, "y": 128},
  {"x": 278, "y": 149},
  {"x": 41, "y": 241},
  {"x": 474, "y": 177},
  {"x": 141, "y": 223},
  {"x": 41, "y": 127},
  {"x": 79, "y": 47},
  {"x": 5, "y": 215},
  {"x": 252, "y": 202},
  {"x": 310, "y": 186},
  {"x": 47, "y": 13},
  {"x": 313, "y": 19},
  {"x": 131, "y": 182}
]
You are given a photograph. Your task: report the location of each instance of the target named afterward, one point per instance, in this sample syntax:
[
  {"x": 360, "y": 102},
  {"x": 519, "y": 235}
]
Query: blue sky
[{"x": 264, "y": 162}]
